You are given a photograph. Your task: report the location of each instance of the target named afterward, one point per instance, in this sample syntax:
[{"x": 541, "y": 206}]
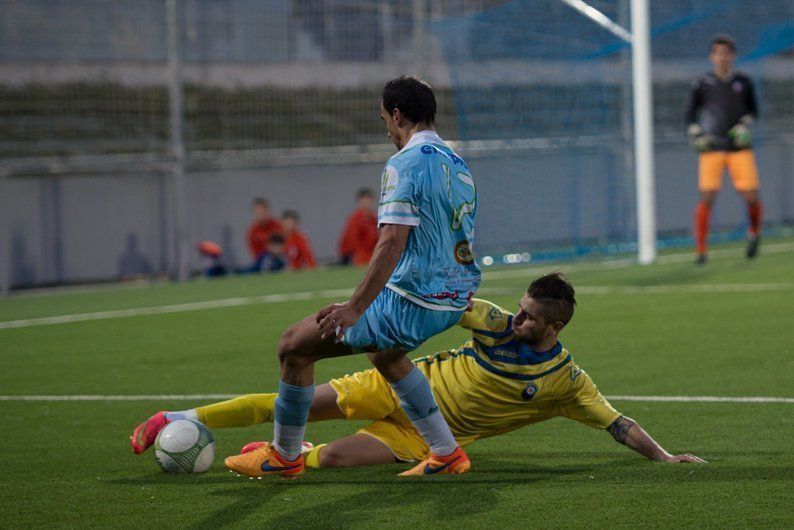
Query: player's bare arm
[
  {"x": 629, "y": 433},
  {"x": 335, "y": 318}
]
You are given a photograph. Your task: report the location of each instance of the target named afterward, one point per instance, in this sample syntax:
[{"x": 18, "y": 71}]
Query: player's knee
[
  {"x": 331, "y": 456},
  {"x": 393, "y": 365},
  {"x": 289, "y": 347},
  {"x": 376, "y": 360}
]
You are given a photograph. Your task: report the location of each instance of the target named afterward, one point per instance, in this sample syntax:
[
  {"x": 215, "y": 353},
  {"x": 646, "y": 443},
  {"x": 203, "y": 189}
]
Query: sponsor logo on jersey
[
  {"x": 530, "y": 391},
  {"x": 575, "y": 372},
  {"x": 463, "y": 253},
  {"x": 388, "y": 182},
  {"x": 494, "y": 313},
  {"x": 737, "y": 86},
  {"x": 442, "y": 296},
  {"x": 507, "y": 353}
]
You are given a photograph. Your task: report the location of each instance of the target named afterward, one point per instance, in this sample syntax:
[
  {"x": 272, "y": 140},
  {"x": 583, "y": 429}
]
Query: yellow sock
[
  {"x": 312, "y": 458},
  {"x": 241, "y": 411}
]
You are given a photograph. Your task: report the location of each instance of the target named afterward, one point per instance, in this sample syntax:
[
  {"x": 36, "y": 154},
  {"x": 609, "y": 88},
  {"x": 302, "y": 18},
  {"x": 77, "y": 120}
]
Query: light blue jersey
[{"x": 427, "y": 186}]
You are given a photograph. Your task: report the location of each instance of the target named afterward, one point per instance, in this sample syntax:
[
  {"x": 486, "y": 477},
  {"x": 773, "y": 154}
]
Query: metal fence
[{"x": 533, "y": 91}]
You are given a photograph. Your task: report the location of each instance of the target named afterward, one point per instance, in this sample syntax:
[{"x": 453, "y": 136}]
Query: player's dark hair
[
  {"x": 364, "y": 192},
  {"x": 412, "y": 96},
  {"x": 556, "y": 294},
  {"x": 291, "y": 214},
  {"x": 260, "y": 201},
  {"x": 722, "y": 38}
]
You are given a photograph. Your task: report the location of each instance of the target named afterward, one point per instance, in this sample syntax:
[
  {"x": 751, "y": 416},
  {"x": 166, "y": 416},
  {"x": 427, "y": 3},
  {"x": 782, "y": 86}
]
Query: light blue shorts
[{"x": 392, "y": 322}]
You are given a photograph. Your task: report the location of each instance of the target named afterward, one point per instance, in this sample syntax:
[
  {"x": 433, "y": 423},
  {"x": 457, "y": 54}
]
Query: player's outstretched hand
[
  {"x": 335, "y": 319},
  {"x": 685, "y": 458}
]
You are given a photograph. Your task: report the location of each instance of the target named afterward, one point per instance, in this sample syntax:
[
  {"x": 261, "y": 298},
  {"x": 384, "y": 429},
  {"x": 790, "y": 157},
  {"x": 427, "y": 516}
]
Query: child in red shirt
[
  {"x": 261, "y": 228},
  {"x": 296, "y": 244},
  {"x": 361, "y": 231}
]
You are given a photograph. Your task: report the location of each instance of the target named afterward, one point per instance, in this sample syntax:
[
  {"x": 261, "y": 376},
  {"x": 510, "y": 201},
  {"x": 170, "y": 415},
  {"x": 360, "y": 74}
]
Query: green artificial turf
[{"x": 652, "y": 331}]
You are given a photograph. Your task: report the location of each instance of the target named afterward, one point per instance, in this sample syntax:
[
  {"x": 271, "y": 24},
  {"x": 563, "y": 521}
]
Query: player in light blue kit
[{"x": 418, "y": 283}]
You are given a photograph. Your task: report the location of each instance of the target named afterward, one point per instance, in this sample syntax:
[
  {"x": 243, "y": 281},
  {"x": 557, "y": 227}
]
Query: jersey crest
[
  {"x": 530, "y": 391},
  {"x": 494, "y": 313}
]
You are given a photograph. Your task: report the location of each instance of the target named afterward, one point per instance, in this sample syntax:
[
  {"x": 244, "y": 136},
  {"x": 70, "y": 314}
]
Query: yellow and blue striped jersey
[{"x": 494, "y": 383}]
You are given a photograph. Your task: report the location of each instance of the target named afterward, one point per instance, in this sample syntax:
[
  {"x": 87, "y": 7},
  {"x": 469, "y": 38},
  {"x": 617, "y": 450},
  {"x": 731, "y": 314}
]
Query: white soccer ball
[{"x": 184, "y": 446}]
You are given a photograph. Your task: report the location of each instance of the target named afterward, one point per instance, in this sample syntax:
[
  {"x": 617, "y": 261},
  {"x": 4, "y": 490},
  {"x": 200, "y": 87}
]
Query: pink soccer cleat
[{"x": 146, "y": 433}]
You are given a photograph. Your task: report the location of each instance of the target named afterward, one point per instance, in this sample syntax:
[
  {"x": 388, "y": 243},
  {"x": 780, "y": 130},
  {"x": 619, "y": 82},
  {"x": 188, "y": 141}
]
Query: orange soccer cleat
[
  {"x": 251, "y": 446},
  {"x": 262, "y": 461},
  {"x": 452, "y": 464}
]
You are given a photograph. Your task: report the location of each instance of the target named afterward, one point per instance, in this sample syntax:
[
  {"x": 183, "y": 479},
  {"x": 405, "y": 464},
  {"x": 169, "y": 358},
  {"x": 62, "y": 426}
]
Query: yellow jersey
[
  {"x": 491, "y": 385},
  {"x": 494, "y": 383}
]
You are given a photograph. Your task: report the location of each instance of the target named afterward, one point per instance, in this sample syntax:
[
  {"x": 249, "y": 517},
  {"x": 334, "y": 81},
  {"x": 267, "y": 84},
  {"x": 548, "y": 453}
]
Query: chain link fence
[
  {"x": 89, "y": 77},
  {"x": 535, "y": 94}
]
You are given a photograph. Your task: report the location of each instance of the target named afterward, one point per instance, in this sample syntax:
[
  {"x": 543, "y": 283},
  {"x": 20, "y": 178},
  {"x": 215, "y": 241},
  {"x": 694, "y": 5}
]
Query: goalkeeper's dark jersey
[{"x": 717, "y": 105}]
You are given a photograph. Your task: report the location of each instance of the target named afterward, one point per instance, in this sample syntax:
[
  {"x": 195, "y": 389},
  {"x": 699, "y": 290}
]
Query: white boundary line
[
  {"x": 199, "y": 397},
  {"x": 340, "y": 293},
  {"x": 493, "y": 275},
  {"x": 704, "y": 399},
  {"x": 176, "y": 308},
  {"x": 143, "y": 397}
]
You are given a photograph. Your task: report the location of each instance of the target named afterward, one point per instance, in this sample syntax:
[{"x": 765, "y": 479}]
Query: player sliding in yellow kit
[{"x": 512, "y": 372}]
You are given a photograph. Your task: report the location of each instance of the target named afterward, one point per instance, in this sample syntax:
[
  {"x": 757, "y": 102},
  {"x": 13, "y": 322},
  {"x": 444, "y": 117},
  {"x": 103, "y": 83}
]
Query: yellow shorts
[
  {"x": 571, "y": 393},
  {"x": 740, "y": 164},
  {"x": 368, "y": 396}
]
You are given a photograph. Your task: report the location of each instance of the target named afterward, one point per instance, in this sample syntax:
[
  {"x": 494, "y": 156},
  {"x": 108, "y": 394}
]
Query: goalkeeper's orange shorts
[{"x": 740, "y": 165}]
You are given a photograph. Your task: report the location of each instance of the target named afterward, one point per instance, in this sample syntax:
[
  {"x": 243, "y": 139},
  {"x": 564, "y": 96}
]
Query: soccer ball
[{"x": 184, "y": 446}]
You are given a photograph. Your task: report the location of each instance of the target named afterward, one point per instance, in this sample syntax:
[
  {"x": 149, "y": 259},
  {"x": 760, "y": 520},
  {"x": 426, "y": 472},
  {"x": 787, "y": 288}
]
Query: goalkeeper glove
[
  {"x": 740, "y": 133},
  {"x": 699, "y": 139}
]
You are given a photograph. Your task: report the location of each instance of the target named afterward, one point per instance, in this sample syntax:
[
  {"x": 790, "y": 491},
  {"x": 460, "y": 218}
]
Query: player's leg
[
  {"x": 416, "y": 398},
  {"x": 711, "y": 167},
  {"x": 702, "y": 221},
  {"x": 242, "y": 411},
  {"x": 745, "y": 180},
  {"x": 301, "y": 345},
  {"x": 352, "y": 451},
  {"x": 364, "y": 395},
  {"x": 253, "y": 409},
  {"x": 391, "y": 439},
  {"x": 754, "y": 212},
  {"x": 390, "y": 327},
  {"x": 409, "y": 325}
]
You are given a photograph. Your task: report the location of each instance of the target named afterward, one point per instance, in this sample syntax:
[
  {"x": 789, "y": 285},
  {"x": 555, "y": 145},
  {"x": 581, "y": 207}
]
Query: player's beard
[{"x": 532, "y": 339}]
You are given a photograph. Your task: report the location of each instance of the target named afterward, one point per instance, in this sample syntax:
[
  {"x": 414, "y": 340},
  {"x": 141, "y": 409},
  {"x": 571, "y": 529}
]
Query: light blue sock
[
  {"x": 291, "y": 414},
  {"x": 419, "y": 404},
  {"x": 189, "y": 414}
]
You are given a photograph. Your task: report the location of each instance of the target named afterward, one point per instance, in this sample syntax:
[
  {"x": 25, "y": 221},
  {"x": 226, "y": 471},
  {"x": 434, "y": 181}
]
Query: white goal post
[{"x": 640, "y": 40}]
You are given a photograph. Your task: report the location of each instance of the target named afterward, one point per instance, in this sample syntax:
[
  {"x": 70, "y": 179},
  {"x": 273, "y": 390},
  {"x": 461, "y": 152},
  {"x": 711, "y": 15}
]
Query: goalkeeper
[
  {"x": 719, "y": 117},
  {"x": 511, "y": 373}
]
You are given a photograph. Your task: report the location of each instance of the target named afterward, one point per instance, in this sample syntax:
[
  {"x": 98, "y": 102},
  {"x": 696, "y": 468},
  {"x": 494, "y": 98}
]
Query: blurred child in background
[
  {"x": 361, "y": 231},
  {"x": 261, "y": 229},
  {"x": 296, "y": 245}
]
